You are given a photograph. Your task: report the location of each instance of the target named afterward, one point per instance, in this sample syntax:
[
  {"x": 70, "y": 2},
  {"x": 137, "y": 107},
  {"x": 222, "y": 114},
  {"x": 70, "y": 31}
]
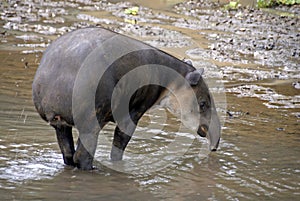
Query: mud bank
[{"x": 249, "y": 45}]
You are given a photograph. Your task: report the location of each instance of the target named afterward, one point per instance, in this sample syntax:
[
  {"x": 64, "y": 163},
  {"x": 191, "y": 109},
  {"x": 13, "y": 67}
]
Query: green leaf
[
  {"x": 232, "y": 5},
  {"x": 132, "y": 11}
]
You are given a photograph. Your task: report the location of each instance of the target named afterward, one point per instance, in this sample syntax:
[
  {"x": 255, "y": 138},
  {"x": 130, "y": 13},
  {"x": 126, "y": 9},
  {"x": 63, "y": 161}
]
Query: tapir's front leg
[
  {"x": 120, "y": 142},
  {"x": 123, "y": 132}
]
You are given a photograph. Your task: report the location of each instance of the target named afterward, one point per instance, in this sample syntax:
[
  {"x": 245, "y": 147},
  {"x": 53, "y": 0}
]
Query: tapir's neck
[
  {"x": 180, "y": 66},
  {"x": 176, "y": 81},
  {"x": 155, "y": 56}
]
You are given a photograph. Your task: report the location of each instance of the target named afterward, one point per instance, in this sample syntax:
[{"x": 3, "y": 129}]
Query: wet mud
[{"x": 254, "y": 54}]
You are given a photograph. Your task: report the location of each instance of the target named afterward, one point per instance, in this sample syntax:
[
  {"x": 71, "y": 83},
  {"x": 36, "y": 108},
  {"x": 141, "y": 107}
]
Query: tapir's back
[
  {"x": 53, "y": 83},
  {"x": 94, "y": 49}
]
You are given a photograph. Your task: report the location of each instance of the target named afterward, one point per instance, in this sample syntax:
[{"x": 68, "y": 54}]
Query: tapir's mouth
[{"x": 202, "y": 131}]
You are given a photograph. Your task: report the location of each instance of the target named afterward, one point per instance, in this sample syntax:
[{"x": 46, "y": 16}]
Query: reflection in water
[{"x": 258, "y": 157}]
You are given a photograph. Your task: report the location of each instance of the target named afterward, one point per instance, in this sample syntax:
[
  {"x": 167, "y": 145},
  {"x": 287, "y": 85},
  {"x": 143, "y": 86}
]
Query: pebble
[{"x": 296, "y": 85}]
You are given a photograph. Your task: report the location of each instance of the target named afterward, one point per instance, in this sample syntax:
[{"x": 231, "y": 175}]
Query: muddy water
[{"x": 258, "y": 69}]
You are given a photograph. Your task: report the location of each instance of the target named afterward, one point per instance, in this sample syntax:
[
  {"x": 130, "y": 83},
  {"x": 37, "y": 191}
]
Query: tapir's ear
[
  {"x": 194, "y": 77},
  {"x": 189, "y": 62}
]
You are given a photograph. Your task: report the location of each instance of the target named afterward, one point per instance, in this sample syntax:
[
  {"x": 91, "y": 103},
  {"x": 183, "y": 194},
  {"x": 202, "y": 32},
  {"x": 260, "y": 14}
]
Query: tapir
[{"x": 92, "y": 76}]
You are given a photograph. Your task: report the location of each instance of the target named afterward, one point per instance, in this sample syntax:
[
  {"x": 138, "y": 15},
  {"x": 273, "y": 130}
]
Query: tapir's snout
[
  {"x": 214, "y": 147},
  {"x": 212, "y": 132}
]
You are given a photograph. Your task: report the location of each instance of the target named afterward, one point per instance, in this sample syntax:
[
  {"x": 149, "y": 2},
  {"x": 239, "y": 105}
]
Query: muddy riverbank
[{"x": 253, "y": 55}]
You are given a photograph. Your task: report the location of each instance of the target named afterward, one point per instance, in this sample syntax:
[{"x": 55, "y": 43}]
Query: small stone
[
  {"x": 296, "y": 85},
  {"x": 229, "y": 114}
]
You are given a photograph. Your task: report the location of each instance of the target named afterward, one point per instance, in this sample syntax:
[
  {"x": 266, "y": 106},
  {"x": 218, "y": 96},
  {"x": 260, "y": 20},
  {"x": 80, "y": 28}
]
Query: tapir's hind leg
[
  {"x": 85, "y": 151},
  {"x": 86, "y": 147},
  {"x": 66, "y": 143}
]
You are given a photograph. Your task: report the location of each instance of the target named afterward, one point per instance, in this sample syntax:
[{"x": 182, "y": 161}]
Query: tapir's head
[
  {"x": 209, "y": 123},
  {"x": 195, "y": 104}
]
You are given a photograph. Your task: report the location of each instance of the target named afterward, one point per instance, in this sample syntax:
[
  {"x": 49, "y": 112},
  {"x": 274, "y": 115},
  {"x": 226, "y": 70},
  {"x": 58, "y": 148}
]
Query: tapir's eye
[{"x": 202, "y": 105}]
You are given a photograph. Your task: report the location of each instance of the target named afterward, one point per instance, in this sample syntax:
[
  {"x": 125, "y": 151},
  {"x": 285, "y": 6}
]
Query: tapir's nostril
[{"x": 215, "y": 147}]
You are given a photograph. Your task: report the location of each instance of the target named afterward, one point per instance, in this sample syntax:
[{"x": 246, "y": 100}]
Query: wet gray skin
[{"x": 53, "y": 90}]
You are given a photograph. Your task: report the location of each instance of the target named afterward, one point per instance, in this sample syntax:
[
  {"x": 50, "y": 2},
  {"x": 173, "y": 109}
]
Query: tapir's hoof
[
  {"x": 84, "y": 166},
  {"x": 116, "y": 154},
  {"x": 69, "y": 161}
]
